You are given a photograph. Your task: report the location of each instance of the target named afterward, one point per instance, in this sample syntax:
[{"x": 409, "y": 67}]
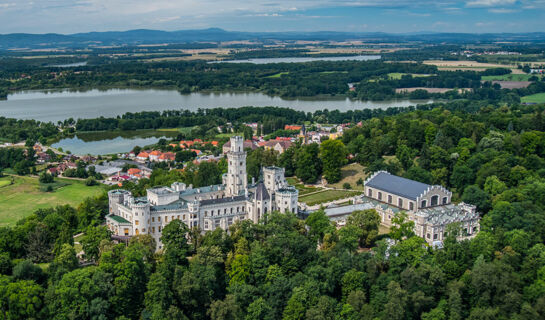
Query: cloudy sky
[{"x": 398, "y": 16}]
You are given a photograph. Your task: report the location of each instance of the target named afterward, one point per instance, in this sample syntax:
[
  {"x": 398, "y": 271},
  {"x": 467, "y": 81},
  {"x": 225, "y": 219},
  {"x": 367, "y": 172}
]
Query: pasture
[{"x": 21, "y": 196}]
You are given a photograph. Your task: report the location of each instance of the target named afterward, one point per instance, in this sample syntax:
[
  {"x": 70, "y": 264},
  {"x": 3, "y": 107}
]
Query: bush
[
  {"x": 91, "y": 181},
  {"x": 46, "y": 178},
  {"x": 346, "y": 185}
]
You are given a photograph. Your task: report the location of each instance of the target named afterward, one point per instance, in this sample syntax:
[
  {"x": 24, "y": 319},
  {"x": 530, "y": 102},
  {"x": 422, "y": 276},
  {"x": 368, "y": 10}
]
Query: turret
[{"x": 236, "y": 178}]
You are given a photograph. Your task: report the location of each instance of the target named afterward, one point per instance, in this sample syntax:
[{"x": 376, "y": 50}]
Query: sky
[{"x": 393, "y": 16}]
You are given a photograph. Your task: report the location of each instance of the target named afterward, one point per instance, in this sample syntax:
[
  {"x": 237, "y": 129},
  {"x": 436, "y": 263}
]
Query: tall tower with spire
[{"x": 237, "y": 179}]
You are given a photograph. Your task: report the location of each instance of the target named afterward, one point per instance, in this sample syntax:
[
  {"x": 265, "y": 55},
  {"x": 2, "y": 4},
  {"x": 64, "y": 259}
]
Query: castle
[{"x": 211, "y": 207}]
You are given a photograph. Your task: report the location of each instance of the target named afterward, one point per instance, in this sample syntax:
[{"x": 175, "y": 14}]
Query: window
[
  {"x": 136, "y": 232},
  {"x": 474, "y": 229},
  {"x": 380, "y": 195},
  {"x": 126, "y": 231},
  {"x": 136, "y": 222},
  {"x": 159, "y": 219},
  {"x": 435, "y": 236},
  {"x": 423, "y": 204},
  {"x": 389, "y": 199},
  {"x": 152, "y": 219},
  {"x": 434, "y": 200},
  {"x": 411, "y": 206},
  {"x": 144, "y": 230},
  {"x": 159, "y": 228},
  {"x": 206, "y": 213},
  {"x": 152, "y": 229},
  {"x": 400, "y": 202},
  {"x": 166, "y": 219},
  {"x": 370, "y": 193},
  {"x": 183, "y": 217},
  {"x": 445, "y": 200},
  {"x": 428, "y": 236}
]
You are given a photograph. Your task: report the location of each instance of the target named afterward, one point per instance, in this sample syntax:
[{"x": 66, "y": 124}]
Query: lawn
[
  {"x": 326, "y": 196},
  {"x": 24, "y": 196},
  {"x": 509, "y": 77},
  {"x": 534, "y": 98},
  {"x": 351, "y": 173}
]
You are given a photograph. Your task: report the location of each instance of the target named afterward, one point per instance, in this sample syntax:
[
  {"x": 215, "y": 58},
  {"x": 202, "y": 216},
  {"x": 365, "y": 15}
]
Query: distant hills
[{"x": 143, "y": 36}]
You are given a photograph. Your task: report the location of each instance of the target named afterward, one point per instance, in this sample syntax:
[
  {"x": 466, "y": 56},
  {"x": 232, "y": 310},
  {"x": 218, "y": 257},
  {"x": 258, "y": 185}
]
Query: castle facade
[{"x": 211, "y": 207}]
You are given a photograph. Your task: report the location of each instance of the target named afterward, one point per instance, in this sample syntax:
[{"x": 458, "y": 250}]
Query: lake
[
  {"x": 300, "y": 59},
  {"x": 64, "y": 104},
  {"x": 99, "y": 143}
]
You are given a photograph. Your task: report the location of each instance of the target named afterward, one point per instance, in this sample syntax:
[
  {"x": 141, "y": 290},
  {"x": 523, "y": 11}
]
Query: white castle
[{"x": 216, "y": 206}]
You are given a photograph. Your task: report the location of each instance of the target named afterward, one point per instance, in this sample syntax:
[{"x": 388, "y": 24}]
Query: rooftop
[
  {"x": 119, "y": 219},
  {"x": 397, "y": 185},
  {"x": 222, "y": 200}
]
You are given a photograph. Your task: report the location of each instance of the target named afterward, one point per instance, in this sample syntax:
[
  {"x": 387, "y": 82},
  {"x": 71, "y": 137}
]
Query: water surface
[
  {"x": 64, "y": 104},
  {"x": 99, "y": 143}
]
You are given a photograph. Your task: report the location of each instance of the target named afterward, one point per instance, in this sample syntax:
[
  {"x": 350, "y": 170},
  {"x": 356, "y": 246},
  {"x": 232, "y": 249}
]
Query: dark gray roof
[
  {"x": 208, "y": 202},
  {"x": 176, "y": 205},
  {"x": 397, "y": 185},
  {"x": 261, "y": 192}
]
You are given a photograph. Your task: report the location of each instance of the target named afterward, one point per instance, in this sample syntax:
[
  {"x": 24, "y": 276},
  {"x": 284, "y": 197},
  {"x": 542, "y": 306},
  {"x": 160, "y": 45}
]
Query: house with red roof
[
  {"x": 154, "y": 155},
  {"x": 142, "y": 156},
  {"x": 167, "y": 156}
]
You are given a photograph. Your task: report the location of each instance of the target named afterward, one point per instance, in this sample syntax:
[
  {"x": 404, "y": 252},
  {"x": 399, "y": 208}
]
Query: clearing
[
  {"x": 24, "y": 196},
  {"x": 350, "y": 173},
  {"x": 398, "y": 75},
  {"x": 534, "y": 98}
]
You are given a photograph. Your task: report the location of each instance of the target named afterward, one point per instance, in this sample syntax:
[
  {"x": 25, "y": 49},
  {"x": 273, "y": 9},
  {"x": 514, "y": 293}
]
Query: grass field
[
  {"x": 326, "y": 196},
  {"x": 351, "y": 173},
  {"x": 278, "y": 75},
  {"x": 509, "y": 77},
  {"x": 24, "y": 196},
  {"x": 534, "y": 98},
  {"x": 398, "y": 75}
]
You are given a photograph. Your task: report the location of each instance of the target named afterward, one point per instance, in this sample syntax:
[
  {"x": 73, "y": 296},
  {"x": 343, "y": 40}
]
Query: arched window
[
  {"x": 445, "y": 200},
  {"x": 423, "y": 204},
  {"x": 370, "y": 193},
  {"x": 434, "y": 200}
]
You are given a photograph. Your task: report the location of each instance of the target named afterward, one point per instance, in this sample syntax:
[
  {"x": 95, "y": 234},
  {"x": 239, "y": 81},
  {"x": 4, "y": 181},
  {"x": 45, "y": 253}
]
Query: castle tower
[{"x": 236, "y": 179}]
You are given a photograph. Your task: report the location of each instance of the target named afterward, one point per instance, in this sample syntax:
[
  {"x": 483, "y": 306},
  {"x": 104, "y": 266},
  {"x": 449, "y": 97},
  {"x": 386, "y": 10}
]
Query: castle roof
[
  {"x": 208, "y": 202},
  {"x": 399, "y": 186},
  {"x": 261, "y": 192}
]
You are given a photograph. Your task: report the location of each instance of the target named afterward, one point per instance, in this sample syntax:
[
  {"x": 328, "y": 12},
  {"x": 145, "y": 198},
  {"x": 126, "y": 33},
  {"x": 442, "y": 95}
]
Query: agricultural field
[
  {"x": 534, "y": 98},
  {"x": 351, "y": 173},
  {"x": 510, "y": 77},
  {"x": 327, "y": 196},
  {"x": 468, "y": 65},
  {"x": 21, "y": 196}
]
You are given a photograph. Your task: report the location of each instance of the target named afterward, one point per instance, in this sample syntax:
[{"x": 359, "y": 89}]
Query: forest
[
  {"x": 372, "y": 79},
  {"x": 285, "y": 267}
]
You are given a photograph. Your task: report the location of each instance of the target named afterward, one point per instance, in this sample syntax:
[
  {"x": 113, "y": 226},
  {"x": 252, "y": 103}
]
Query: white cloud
[{"x": 490, "y": 3}]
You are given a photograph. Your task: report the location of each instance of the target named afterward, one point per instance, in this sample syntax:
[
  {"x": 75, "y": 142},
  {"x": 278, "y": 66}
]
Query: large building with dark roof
[
  {"x": 429, "y": 206},
  {"x": 211, "y": 207}
]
